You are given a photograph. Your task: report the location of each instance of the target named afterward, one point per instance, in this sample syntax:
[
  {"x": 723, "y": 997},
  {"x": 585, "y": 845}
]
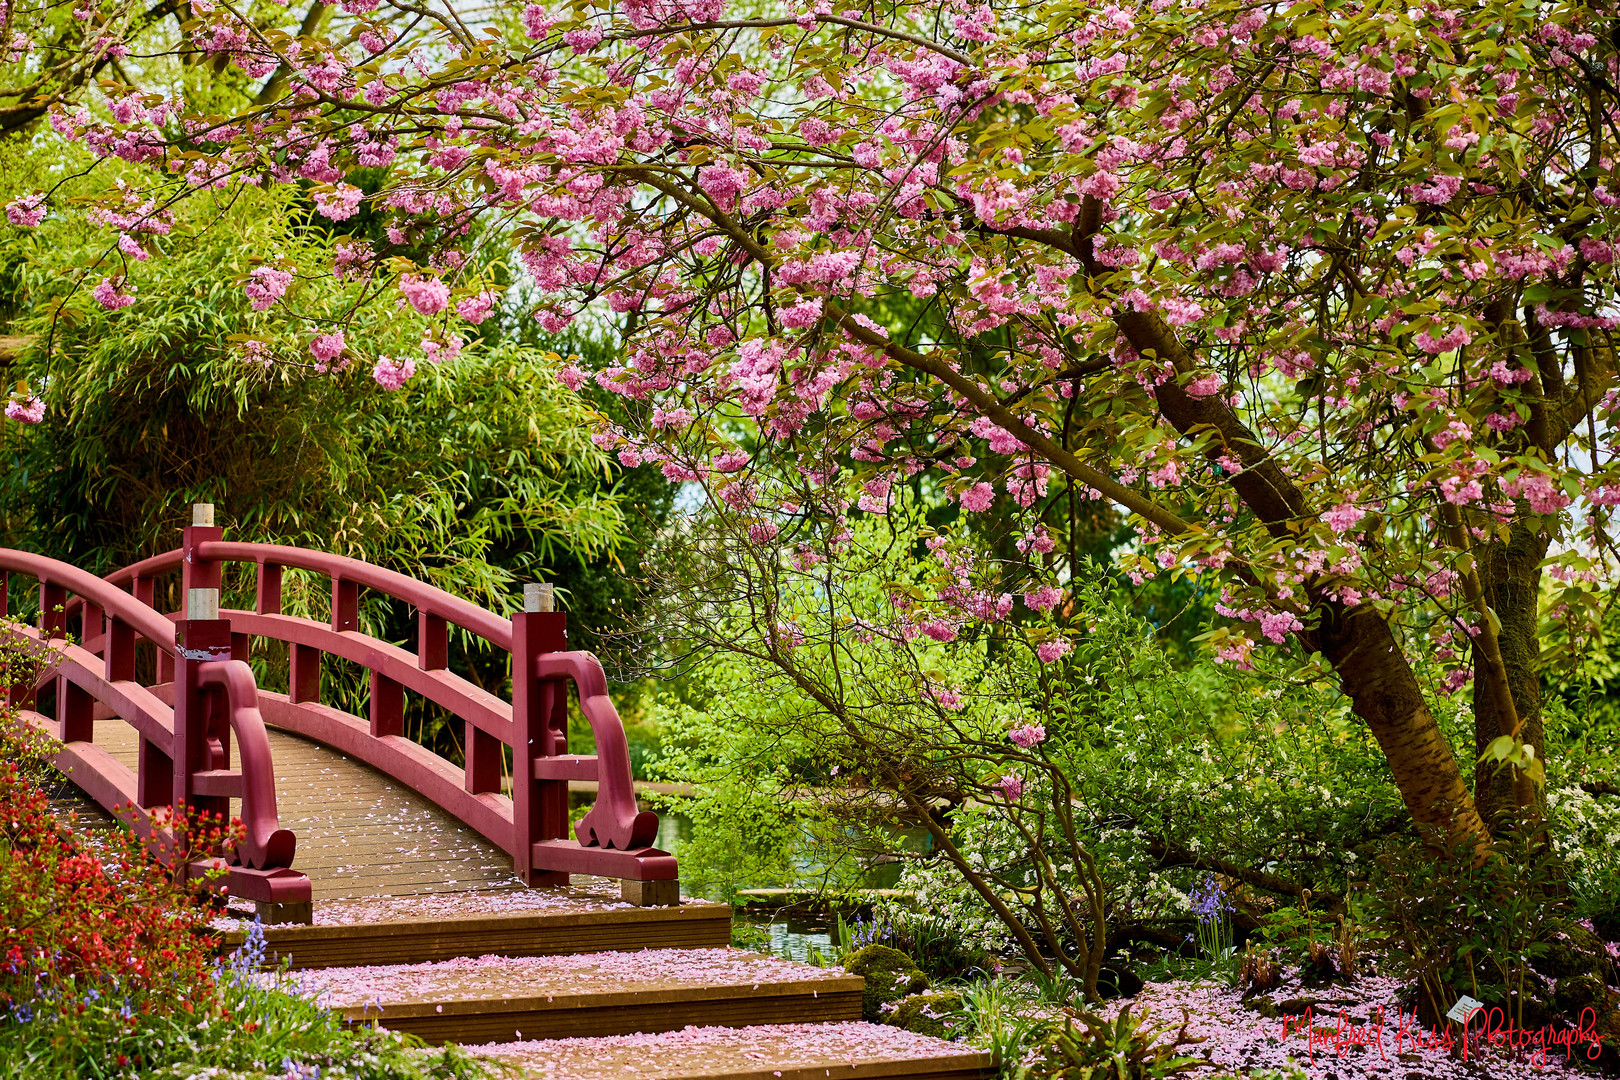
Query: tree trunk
[
  {"x": 1510, "y": 574},
  {"x": 1385, "y": 693},
  {"x": 1372, "y": 670}
]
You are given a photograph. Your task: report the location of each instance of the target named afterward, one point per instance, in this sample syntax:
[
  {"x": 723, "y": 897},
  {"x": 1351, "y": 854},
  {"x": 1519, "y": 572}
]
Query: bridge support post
[
  {"x": 539, "y": 729},
  {"x": 200, "y": 640},
  {"x": 195, "y": 571}
]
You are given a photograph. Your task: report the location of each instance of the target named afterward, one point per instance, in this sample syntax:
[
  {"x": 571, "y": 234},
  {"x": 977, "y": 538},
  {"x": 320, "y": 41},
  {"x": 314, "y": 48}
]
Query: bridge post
[
  {"x": 203, "y": 636},
  {"x": 539, "y": 729},
  {"x": 195, "y": 571}
]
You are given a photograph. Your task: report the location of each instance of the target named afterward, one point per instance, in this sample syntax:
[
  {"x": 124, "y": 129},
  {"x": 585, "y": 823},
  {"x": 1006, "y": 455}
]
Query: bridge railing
[
  {"x": 184, "y": 756},
  {"x": 612, "y": 840}
]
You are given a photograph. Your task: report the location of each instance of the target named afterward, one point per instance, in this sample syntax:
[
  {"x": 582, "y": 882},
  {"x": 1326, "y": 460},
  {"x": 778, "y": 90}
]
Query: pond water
[{"x": 796, "y": 934}]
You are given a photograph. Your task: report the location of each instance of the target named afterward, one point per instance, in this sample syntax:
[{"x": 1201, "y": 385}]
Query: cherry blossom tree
[{"x": 1320, "y": 295}]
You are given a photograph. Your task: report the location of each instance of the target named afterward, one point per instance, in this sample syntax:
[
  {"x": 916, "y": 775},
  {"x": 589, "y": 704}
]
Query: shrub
[
  {"x": 932, "y": 942},
  {"x": 72, "y": 923},
  {"x": 108, "y": 968},
  {"x": 1456, "y": 925},
  {"x": 890, "y": 975}
]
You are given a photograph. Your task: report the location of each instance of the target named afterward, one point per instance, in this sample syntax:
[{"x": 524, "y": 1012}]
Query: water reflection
[{"x": 795, "y": 933}]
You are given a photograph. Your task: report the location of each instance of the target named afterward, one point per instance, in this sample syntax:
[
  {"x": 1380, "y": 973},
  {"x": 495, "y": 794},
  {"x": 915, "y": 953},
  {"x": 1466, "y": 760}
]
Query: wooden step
[
  {"x": 505, "y": 999},
  {"x": 845, "y": 1051},
  {"x": 510, "y": 922}
]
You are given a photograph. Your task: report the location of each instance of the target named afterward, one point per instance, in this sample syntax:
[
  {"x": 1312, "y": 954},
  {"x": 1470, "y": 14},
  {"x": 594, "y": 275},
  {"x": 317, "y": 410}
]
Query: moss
[
  {"x": 1575, "y": 950},
  {"x": 890, "y": 975},
  {"x": 927, "y": 1014},
  {"x": 1580, "y": 992}
]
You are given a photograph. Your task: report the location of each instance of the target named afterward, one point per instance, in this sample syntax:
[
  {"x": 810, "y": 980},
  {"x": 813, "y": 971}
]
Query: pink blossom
[
  {"x": 1180, "y": 312},
  {"x": 1043, "y": 598},
  {"x": 583, "y": 41},
  {"x": 536, "y": 21},
  {"x": 428, "y": 295},
  {"x": 1460, "y": 490},
  {"x": 340, "y": 203},
  {"x": 1598, "y": 252},
  {"x": 1278, "y": 625},
  {"x": 762, "y": 532},
  {"x": 439, "y": 351},
  {"x": 111, "y": 294},
  {"x": 1437, "y": 191},
  {"x": 393, "y": 374},
  {"x": 476, "y": 308},
  {"x": 265, "y": 286},
  {"x": 26, "y": 211},
  {"x": 731, "y": 461},
  {"x": 1454, "y": 338},
  {"x": 722, "y": 183},
  {"x": 978, "y": 498},
  {"x": 1607, "y": 495},
  {"x": 552, "y": 322},
  {"x": 1342, "y": 518},
  {"x": 801, "y": 315},
  {"x": 1050, "y": 651},
  {"x": 1028, "y": 735},
  {"x": 1538, "y": 490},
  {"x": 571, "y": 377},
  {"x": 1237, "y": 651},
  {"x": 28, "y": 410},
  {"x": 1011, "y": 785},
  {"x": 327, "y": 347},
  {"x": 875, "y": 496}
]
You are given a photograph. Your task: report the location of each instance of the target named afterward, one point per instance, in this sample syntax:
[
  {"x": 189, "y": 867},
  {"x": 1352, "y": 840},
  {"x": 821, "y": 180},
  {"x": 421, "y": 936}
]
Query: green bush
[
  {"x": 107, "y": 969},
  {"x": 890, "y": 975},
  {"x": 1124, "y": 1048}
]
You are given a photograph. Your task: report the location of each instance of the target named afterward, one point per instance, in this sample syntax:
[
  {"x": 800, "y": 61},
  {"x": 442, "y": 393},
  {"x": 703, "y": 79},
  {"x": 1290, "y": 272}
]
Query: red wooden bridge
[
  {"x": 202, "y": 707},
  {"x": 408, "y": 913}
]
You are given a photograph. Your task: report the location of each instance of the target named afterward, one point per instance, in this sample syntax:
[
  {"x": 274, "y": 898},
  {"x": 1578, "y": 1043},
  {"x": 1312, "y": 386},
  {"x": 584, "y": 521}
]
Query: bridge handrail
[
  {"x": 266, "y": 846},
  {"x": 151, "y": 567},
  {"x": 419, "y": 594},
  {"x": 614, "y": 838},
  {"x": 105, "y": 594}
]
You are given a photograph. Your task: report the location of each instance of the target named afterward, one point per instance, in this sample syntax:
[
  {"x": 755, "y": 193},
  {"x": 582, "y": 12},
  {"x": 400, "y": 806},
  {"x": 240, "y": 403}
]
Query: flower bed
[{"x": 108, "y": 969}]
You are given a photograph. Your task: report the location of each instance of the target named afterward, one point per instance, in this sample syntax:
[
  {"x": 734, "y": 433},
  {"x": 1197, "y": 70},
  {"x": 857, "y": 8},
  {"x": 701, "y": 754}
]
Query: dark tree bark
[{"x": 1510, "y": 573}]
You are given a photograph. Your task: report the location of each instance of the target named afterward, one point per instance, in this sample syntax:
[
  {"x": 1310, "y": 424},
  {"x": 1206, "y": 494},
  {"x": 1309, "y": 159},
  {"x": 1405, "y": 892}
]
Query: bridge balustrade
[
  {"x": 185, "y": 737},
  {"x": 614, "y": 837}
]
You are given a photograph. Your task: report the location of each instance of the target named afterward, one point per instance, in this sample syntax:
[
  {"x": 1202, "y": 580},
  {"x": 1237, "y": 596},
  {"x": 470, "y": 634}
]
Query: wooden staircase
[{"x": 575, "y": 983}]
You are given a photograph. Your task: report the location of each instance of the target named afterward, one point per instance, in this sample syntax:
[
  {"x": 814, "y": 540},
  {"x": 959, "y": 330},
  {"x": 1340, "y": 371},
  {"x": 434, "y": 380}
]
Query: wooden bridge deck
[{"x": 360, "y": 833}]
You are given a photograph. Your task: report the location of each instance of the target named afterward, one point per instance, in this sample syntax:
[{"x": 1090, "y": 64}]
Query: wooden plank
[
  {"x": 847, "y": 1051},
  {"x": 537, "y": 935},
  {"x": 495, "y": 999},
  {"x": 360, "y": 833},
  {"x": 625, "y": 1014}
]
